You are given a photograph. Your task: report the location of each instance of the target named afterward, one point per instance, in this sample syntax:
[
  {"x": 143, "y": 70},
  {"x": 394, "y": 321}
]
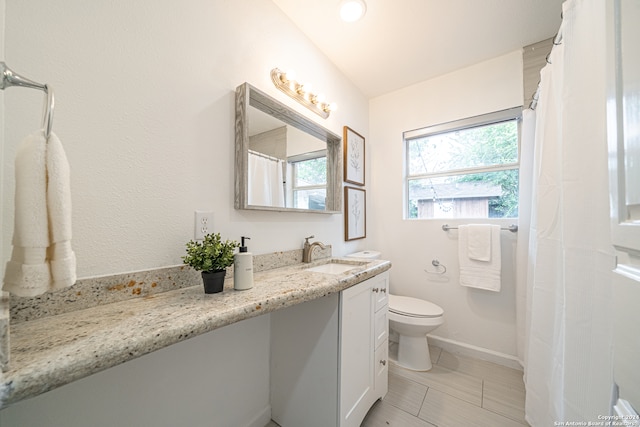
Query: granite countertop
[{"x": 52, "y": 351}]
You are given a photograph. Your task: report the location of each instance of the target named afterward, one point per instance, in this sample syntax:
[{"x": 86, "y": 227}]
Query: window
[
  {"x": 309, "y": 178},
  {"x": 464, "y": 169}
]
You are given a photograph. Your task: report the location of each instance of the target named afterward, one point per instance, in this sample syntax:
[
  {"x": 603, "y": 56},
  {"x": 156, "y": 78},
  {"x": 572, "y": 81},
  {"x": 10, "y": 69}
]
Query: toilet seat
[{"x": 413, "y": 307}]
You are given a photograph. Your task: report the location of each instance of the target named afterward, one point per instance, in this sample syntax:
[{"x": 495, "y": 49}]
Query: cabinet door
[
  {"x": 626, "y": 295},
  {"x": 356, "y": 351},
  {"x": 623, "y": 122}
]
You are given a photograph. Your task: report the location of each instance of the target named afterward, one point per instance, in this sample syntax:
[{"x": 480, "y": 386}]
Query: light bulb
[
  {"x": 289, "y": 75},
  {"x": 308, "y": 91},
  {"x": 304, "y": 89}
]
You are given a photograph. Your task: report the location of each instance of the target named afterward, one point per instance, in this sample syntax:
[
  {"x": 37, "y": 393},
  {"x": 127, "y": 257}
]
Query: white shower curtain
[
  {"x": 266, "y": 186},
  {"x": 564, "y": 309},
  {"x": 523, "y": 309}
]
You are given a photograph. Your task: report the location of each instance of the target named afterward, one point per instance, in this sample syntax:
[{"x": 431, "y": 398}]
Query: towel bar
[{"x": 512, "y": 228}]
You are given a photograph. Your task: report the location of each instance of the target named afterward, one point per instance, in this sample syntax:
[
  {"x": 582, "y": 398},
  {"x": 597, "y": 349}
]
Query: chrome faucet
[{"x": 307, "y": 251}]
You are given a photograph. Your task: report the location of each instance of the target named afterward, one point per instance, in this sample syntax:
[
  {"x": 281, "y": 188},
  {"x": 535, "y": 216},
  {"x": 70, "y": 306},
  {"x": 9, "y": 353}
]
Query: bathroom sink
[{"x": 334, "y": 267}]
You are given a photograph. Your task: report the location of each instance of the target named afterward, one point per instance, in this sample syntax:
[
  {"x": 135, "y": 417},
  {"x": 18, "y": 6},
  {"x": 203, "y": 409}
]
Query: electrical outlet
[{"x": 203, "y": 224}]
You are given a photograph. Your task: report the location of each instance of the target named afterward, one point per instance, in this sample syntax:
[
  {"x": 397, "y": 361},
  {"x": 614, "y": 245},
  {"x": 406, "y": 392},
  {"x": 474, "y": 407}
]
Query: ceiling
[{"x": 402, "y": 42}]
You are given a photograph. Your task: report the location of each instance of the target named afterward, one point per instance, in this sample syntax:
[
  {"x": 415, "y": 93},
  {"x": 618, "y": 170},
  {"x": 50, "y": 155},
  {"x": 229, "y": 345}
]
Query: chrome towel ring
[
  {"x": 10, "y": 78},
  {"x": 438, "y": 268}
]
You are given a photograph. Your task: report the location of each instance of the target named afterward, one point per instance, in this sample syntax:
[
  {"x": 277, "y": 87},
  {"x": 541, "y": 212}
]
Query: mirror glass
[{"x": 284, "y": 161}]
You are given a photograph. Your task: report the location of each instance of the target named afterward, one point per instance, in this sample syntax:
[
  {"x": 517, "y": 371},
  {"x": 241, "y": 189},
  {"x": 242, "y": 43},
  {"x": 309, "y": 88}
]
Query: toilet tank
[{"x": 368, "y": 255}]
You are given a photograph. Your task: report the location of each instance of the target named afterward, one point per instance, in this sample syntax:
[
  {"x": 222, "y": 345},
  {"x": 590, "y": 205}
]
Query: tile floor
[{"x": 457, "y": 391}]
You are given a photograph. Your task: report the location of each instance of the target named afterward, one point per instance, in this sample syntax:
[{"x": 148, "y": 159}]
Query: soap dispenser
[{"x": 243, "y": 268}]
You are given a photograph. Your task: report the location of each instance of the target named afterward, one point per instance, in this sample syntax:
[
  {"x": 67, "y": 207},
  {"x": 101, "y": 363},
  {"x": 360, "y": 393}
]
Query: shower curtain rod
[
  {"x": 557, "y": 40},
  {"x": 10, "y": 78},
  {"x": 275, "y": 159}
]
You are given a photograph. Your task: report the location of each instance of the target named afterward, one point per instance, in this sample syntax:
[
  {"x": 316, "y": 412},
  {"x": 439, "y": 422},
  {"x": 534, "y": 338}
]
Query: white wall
[
  {"x": 145, "y": 110},
  {"x": 472, "y": 317}
]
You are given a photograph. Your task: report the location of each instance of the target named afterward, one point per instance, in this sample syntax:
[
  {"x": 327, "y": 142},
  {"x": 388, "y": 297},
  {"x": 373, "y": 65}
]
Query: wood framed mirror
[{"x": 284, "y": 161}]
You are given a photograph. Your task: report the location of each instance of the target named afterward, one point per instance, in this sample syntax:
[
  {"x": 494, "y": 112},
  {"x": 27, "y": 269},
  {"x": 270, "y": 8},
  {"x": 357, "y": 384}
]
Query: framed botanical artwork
[
  {"x": 355, "y": 213},
  {"x": 353, "y": 157}
]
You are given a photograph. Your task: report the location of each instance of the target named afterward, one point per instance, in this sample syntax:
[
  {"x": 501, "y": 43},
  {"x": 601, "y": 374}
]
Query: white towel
[
  {"x": 476, "y": 273},
  {"x": 479, "y": 242},
  {"x": 42, "y": 259}
]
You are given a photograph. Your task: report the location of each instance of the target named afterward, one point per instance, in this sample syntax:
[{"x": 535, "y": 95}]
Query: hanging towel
[
  {"x": 479, "y": 242},
  {"x": 477, "y": 273},
  {"x": 42, "y": 259}
]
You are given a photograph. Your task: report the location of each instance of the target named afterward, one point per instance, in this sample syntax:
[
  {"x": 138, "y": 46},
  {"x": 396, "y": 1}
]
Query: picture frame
[
  {"x": 355, "y": 213},
  {"x": 354, "y": 159}
]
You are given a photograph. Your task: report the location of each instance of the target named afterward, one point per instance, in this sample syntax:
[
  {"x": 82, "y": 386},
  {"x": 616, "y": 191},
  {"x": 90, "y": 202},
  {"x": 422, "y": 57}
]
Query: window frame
[
  {"x": 495, "y": 117},
  {"x": 292, "y": 161}
]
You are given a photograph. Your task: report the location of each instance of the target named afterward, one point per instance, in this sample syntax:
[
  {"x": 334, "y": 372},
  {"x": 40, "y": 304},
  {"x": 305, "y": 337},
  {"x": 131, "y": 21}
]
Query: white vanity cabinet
[
  {"x": 363, "y": 377},
  {"x": 329, "y": 357}
]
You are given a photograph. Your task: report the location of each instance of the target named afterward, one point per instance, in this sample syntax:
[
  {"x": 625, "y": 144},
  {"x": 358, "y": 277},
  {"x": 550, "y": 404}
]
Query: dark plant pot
[{"x": 213, "y": 281}]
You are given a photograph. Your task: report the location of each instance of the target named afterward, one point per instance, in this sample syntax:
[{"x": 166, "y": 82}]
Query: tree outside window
[{"x": 465, "y": 171}]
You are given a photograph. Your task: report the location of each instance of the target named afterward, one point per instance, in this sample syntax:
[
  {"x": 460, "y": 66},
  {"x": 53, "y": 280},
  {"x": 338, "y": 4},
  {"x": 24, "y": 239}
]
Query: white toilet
[{"x": 412, "y": 319}]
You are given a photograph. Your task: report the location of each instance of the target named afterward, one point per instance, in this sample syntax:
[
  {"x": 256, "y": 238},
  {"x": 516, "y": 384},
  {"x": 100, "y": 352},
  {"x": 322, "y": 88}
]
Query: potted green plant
[{"x": 211, "y": 256}]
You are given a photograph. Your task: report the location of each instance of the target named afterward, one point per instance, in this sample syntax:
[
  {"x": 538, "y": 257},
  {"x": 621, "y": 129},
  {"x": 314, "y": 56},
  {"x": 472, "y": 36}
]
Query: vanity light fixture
[
  {"x": 303, "y": 93},
  {"x": 352, "y": 10}
]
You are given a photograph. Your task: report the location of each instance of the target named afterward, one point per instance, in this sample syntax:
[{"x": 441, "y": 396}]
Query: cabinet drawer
[
  {"x": 381, "y": 291},
  {"x": 381, "y": 327}
]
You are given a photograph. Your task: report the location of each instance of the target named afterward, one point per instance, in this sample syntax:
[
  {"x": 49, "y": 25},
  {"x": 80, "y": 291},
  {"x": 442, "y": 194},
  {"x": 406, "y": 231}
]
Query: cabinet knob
[
  {"x": 383, "y": 290},
  {"x": 383, "y": 362},
  {"x": 376, "y": 290}
]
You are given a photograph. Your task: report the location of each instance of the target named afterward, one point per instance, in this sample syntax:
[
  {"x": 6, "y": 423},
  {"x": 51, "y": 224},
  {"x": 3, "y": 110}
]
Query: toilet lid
[{"x": 413, "y": 307}]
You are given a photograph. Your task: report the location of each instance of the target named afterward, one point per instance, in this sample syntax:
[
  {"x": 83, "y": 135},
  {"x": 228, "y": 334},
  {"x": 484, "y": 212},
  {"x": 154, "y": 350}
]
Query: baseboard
[
  {"x": 469, "y": 350},
  {"x": 262, "y": 418}
]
